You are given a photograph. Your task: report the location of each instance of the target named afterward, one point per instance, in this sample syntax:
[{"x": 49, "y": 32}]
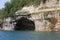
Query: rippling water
[{"x": 29, "y": 35}]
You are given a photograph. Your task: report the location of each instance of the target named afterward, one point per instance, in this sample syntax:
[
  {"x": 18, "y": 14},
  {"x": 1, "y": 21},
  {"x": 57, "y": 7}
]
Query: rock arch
[{"x": 24, "y": 24}]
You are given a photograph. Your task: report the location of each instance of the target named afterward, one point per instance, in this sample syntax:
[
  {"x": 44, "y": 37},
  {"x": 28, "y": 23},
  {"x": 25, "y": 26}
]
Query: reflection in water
[{"x": 29, "y": 35}]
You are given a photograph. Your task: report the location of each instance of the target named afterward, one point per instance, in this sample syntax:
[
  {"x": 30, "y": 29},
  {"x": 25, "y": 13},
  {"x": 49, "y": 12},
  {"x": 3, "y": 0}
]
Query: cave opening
[{"x": 24, "y": 24}]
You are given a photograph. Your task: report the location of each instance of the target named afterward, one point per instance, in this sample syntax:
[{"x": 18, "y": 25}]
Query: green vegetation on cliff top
[{"x": 14, "y": 5}]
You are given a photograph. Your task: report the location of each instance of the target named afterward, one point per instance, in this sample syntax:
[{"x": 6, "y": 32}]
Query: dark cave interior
[{"x": 24, "y": 24}]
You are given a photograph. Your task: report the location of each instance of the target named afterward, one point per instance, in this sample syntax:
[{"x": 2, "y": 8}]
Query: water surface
[{"x": 29, "y": 35}]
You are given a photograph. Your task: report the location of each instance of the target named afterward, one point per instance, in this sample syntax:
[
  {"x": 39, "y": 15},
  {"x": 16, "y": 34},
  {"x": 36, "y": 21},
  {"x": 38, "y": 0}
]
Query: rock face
[{"x": 24, "y": 24}]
